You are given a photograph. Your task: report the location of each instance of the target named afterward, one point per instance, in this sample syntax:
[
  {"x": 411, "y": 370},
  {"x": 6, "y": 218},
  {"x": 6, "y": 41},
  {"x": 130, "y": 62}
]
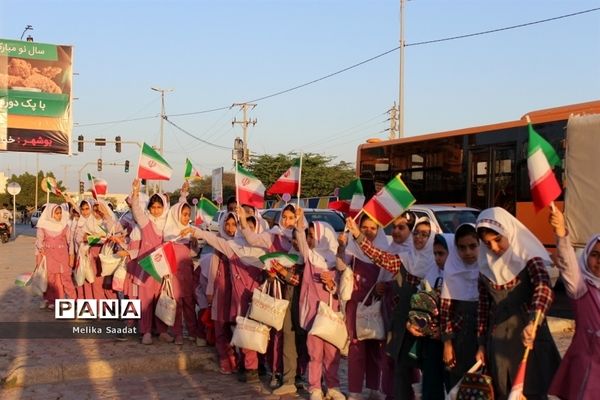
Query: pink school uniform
[
  {"x": 53, "y": 241},
  {"x": 246, "y": 275},
  {"x": 577, "y": 375}
]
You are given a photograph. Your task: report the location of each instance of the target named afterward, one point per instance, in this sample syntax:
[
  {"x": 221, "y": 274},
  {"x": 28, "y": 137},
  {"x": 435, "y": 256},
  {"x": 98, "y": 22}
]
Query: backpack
[{"x": 425, "y": 309}]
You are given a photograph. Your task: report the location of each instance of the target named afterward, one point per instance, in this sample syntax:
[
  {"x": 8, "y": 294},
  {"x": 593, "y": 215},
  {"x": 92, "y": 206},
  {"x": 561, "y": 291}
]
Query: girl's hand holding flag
[{"x": 352, "y": 227}]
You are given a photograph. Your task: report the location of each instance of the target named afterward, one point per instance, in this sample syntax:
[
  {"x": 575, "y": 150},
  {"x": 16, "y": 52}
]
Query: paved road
[{"x": 104, "y": 368}]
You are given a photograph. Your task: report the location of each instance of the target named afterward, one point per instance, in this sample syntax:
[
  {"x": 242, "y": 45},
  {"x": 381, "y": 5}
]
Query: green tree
[
  {"x": 26, "y": 198},
  {"x": 320, "y": 175}
]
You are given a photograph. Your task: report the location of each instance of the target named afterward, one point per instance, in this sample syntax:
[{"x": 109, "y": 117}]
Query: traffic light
[
  {"x": 126, "y": 165},
  {"x": 81, "y": 187},
  {"x": 118, "y": 144},
  {"x": 80, "y": 143},
  {"x": 99, "y": 164}
]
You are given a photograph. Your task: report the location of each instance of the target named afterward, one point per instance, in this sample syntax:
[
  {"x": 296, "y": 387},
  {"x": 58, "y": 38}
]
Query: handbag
[
  {"x": 473, "y": 384},
  {"x": 369, "y": 320},
  {"x": 166, "y": 305},
  {"x": 329, "y": 325},
  {"x": 108, "y": 260},
  {"x": 39, "y": 279},
  {"x": 269, "y": 310},
  {"x": 424, "y": 310},
  {"x": 250, "y": 335},
  {"x": 118, "y": 279}
]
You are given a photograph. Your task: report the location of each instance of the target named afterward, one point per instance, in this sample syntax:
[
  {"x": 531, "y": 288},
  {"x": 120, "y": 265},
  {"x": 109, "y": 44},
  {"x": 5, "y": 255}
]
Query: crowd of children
[{"x": 490, "y": 279}]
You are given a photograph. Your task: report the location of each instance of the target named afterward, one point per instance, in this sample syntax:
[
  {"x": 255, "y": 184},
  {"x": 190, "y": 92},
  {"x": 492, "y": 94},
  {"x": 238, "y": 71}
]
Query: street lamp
[{"x": 27, "y": 28}]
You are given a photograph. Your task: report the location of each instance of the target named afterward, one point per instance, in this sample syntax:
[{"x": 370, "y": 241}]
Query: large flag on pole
[
  {"x": 250, "y": 190},
  {"x": 289, "y": 182},
  {"x": 190, "y": 171},
  {"x": 541, "y": 159},
  {"x": 205, "y": 211},
  {"x": 152, "y": 165},
  {"x": 160, "y": 262},
  {"x": 389, "y": 202},
  {"x": 355, "y": 194},
  {"x": 99, "y": 186}
]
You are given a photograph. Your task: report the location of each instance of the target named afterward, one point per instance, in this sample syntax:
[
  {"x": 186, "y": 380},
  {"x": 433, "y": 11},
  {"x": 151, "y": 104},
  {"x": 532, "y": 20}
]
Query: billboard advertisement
[{"x": 35, "y": 97}]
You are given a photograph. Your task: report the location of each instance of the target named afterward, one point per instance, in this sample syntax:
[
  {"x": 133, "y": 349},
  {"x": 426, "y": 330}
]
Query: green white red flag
[
  {"x": 285, "y": 259},
  {"x": 389, "y": 202},
  {"x": 152, "y": 165},
  {"x": 53, "y": 186},
  {"x": 353, "y": 192},
  {"x": 250, "y": 190},
  {"x": 99, "y": 186},
  {"x": 190, "y": 171},
  {"x": 289, "y": 182},
  {"x": 541, "y": 159},
  {"x": 160, "y": 262},
  {"x": 205, "y": 211}
]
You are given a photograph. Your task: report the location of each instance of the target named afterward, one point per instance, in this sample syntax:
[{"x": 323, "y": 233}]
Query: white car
[{"x": 35, "y": 217}]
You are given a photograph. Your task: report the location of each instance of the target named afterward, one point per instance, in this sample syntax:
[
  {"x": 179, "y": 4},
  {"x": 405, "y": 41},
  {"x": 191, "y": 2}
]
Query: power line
[
  {"x": 446, "y": 39},
  {"x": 117, "y": 121},
  {"x": 194, "y": 136}
]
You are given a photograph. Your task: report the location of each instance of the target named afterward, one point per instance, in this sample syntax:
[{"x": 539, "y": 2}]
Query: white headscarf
[
  {"x": 222, "y": 221},
  {"x": 323, "y": 256},
  {"x": 523, "y": 246},
  {"x": 278, "y": 229},
  {"x": 249, "y": 255},
  {"x": 460, "y": 279},
  {"x": 48, "y": 222},
  {"x": 435, "y": 273},
  {"x": 380, "y": 242},
  {"x": 160, "y": 221},
  {"x": 173, "y": 225},
  {"x": 420, "y": 262},
  {"x": 97, "y": 226},
  {"x": 587, "y": 274}
]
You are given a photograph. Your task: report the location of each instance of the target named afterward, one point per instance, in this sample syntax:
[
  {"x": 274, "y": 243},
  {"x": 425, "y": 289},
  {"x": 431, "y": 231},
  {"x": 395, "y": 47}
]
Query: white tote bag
[
  {"x": 269, "y": 310},
  {"x": 346, "y": 284},
  {"x": 118, "y": 279},
  {"x": 39, "y": 279},
  {"x": 166, "y": 305},
  {"x": 108, "y": 260},
  {"x": 329, "y": 325},
  {"x": 250, "y": 335},
  {"x": 369, "y": 321}
]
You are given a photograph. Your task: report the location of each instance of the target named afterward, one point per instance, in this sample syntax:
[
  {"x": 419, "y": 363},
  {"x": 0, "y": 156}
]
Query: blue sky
[{"x": 215, "y": 53}]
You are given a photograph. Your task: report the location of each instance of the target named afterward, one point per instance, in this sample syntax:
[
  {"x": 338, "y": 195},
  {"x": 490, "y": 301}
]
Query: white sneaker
[
  {"x": 43, "y": 304},
  {"x": 354, "y": 396},
  {"x": 285, "y": 389},
  {"x": 316, "y": 394},
  {"x": 335, "y": 394}
]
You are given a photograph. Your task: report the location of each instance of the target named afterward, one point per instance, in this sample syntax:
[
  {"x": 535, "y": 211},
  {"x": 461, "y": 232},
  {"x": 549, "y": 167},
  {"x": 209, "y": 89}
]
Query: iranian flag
[
  {"x": 160, "y": 262},
  {"x": 99, "y": 186},
  {"x": 205, "y": 211},
  {"x": 250, "y": 190},
  {"x": 541, "y": 159},
  {"x": 53, "y": 186},
  {"x": 153, "y": 166},
  {"x": 285, "y": 259},
  {"x": 389, "y": 202},
  {"x": 355, "y": 194},
  {"x": 289, "y": 182},
  {"x": 190, "y": 171}
]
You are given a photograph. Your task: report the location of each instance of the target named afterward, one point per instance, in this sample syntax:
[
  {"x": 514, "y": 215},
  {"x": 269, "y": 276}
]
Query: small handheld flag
[
  {"x": 191, "y": 172},
  {"x": 205, "y": 211},
  {"x": 152, "y": 165},
  {"x": 289, "y": 182},
  {"x": 541, "y": 159},
  {"x": 160, "y": 262},
  {"x": 250, "y": 190},
  {"x": 285, "y": 259},
  {"x": 389, "y": 202}
]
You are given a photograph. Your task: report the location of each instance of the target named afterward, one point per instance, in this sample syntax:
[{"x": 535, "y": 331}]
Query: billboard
[
  {"x": 217, "y": 185},
  {"x": 35, "y": 97}
]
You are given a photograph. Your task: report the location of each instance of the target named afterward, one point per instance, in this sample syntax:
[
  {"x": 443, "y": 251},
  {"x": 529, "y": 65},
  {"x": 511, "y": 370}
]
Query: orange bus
[{"x": 479, "y": 167}]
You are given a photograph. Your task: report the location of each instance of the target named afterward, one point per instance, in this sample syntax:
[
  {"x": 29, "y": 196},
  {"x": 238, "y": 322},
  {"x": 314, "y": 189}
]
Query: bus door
[{"x": 492, "y": 177}]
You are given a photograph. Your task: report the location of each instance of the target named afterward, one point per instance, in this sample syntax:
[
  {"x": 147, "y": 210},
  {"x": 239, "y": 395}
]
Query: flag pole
[
  {"x": 237, "y": 195},
  {"x": 299, "y": 180}
]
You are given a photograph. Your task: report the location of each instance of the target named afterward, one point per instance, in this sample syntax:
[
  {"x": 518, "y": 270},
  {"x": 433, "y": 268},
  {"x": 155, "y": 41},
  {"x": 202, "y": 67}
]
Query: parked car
[
  {"x": 446, "y": 218},
  {"x": 213, "y": 225},
  {"x": 333, "y": 217},
  {"x": 36, "y": 216}
]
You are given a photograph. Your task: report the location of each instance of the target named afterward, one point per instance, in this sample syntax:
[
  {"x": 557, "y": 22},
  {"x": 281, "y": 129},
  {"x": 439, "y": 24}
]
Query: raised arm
[
  {"x": 263, "y": 240},
  {"x": 566, "y": 260},
  {"x": 136, "y": 209},
  {"x": 213, "y": 240}
]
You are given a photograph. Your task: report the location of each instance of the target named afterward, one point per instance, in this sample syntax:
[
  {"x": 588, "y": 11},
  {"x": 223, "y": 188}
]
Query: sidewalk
[{"x": 28, "y": 362}]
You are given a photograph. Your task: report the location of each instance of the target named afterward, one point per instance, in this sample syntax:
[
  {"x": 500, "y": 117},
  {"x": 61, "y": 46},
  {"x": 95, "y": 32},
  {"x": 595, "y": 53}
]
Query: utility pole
[
  {"x": 393, "y": 129},
  {"x": 401, "y": 93},
  {"x": 245, "y": 122},
  {"x": 162, "y": 118}
]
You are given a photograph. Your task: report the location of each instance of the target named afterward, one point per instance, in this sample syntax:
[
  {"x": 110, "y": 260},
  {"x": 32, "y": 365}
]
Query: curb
[{"x": 26, "y": 375}]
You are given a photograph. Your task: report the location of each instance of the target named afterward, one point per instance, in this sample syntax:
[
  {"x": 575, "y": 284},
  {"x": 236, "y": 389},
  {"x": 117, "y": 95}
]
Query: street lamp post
[{"x": 162, "y": 118}]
